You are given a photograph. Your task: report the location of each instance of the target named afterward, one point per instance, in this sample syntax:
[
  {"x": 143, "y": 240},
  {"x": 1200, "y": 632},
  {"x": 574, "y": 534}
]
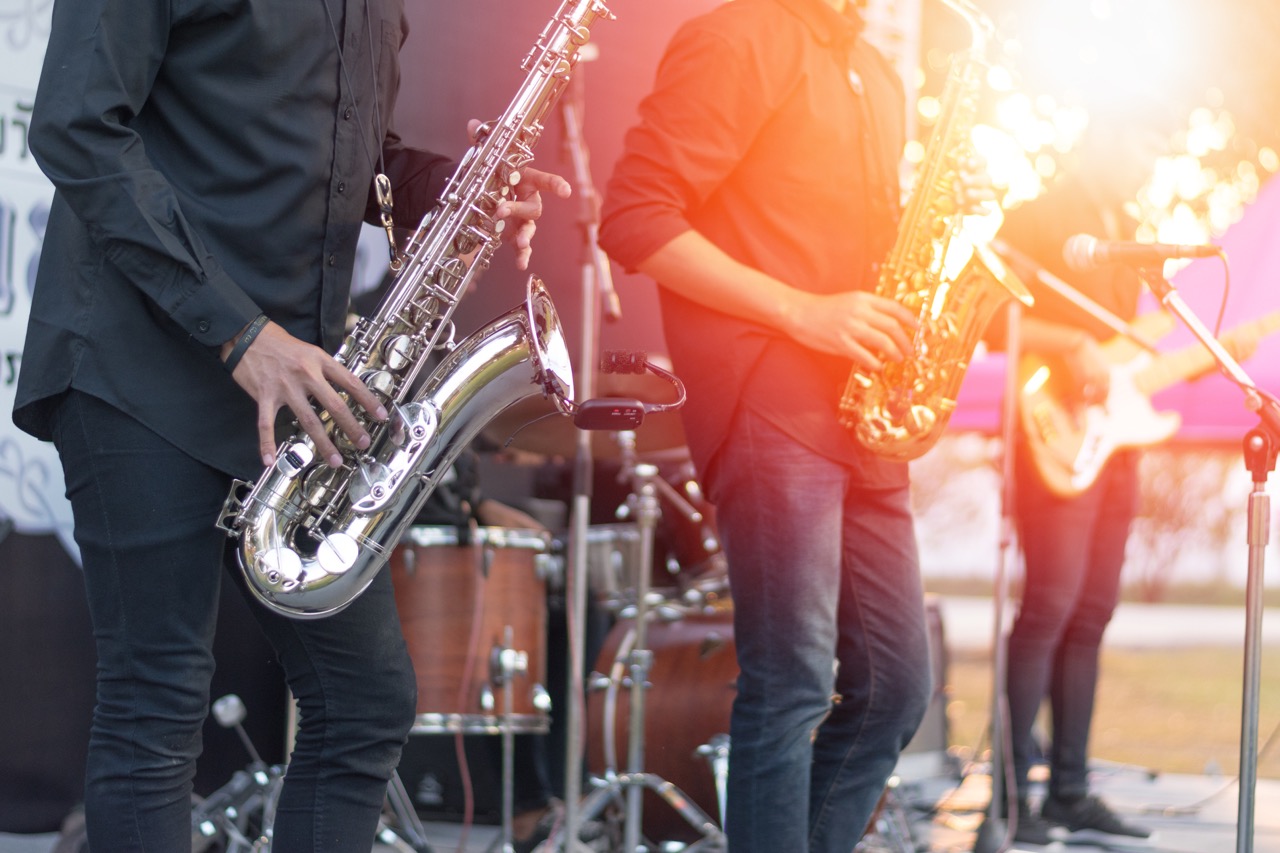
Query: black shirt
[
  {"x": 775, "y": 131},
  {"x": 212, "y": 159}
]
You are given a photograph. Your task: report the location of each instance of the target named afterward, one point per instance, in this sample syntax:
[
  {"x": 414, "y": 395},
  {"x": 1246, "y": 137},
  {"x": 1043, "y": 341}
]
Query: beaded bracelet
[{"x": 242, "y": 342}]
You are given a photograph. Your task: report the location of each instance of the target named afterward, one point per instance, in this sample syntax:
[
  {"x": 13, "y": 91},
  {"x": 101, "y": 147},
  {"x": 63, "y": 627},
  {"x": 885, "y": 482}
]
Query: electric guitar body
[{"x": 1069, "y": 441}]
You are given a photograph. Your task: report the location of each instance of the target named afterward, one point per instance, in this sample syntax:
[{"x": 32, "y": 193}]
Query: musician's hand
[
  {"x": 493, "y": 513},
  {"x": 1090, "y": 369},
  {"x": 278, "y": 370},
  {"x": 522, "y": 212},
  {"x": 861, "y": 326},
  {"x": 974, "y": 188}
]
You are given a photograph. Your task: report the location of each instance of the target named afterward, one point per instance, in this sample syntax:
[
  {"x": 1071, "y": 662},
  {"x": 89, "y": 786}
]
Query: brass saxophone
[
  {"x": 901, "y": 410},
  {"x": 312, "y": 538}
]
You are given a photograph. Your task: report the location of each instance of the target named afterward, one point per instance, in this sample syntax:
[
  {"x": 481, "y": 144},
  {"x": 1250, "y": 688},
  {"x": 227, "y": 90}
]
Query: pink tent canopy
[{"x": 1212, "y": 408}]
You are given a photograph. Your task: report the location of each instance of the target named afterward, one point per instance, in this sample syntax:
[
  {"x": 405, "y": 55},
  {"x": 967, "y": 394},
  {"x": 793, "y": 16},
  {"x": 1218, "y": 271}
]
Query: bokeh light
[{"x": 1064, "y": 65}]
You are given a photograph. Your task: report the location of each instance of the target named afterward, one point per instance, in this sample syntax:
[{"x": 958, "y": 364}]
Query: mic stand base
[{"x": 991, "y": 835}]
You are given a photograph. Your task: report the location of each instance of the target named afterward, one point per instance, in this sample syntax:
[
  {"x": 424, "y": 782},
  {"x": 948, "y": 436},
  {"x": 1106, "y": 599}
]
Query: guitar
[{"x": 1070, "y": 441}]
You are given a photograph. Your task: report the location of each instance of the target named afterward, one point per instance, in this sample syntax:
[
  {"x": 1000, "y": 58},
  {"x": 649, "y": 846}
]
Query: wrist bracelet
[{"x": 242, "y": 342}]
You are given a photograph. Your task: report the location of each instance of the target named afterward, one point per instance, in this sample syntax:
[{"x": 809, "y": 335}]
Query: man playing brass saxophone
[
  {"x": 760, "y": 190},
  {"x": 213, "y": 163}
]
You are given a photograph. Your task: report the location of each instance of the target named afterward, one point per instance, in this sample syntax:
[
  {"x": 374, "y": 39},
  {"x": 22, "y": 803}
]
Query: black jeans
[
  {"x": 1073, "y": 550},
  {"x": 153, "y": 562}
]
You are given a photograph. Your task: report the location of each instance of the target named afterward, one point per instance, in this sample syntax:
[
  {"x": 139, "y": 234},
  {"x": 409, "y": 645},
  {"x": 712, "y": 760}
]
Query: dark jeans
[
  {"x": 1073, "y": 550},
  {"x": 153, "y": 563},
  {"x": 827, "y": 600}
]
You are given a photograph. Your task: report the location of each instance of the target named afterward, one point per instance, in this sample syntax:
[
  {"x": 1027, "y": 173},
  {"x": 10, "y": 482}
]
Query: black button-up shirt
[{"x": 202, "y": 152}]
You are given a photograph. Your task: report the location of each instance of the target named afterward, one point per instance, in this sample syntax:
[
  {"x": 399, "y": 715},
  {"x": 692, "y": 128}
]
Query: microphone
[{"x": 1083, "y": 253}]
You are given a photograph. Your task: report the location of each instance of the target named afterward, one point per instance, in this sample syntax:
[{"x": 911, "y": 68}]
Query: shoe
[
  {"x": 1089, "y": 812},
  {"x": 1031, "y": 827}
]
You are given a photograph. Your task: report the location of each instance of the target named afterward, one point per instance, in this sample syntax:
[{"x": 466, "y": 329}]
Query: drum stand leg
[
  {"x": 639, "y": 662},
  {"x": 509, "y": 664},
  {"x": 406, "y": 832}
]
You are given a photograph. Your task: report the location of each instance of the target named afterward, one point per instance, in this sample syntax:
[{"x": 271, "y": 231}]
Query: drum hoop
[
  {"x": 429, "y": 535},
  {"x": 602, "y": 533},
  {"x": 480, "y": 724}
]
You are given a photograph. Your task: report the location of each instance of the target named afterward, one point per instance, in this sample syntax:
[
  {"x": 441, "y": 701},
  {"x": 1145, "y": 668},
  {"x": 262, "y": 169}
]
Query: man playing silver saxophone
[{"x": 213, "y": 163}]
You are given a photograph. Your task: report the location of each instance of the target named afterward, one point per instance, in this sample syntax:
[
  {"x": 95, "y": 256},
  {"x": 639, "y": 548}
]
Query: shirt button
[
  {"x": 332, "y": 260},
  {"x": 202, "y": 326},
  {"x": 346, "y": 113},
  {"x": 342, "y": 186}
]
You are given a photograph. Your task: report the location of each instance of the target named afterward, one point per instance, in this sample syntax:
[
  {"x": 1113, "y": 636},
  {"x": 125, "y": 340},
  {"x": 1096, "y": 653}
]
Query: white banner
[{"x": 32, "y": 496}]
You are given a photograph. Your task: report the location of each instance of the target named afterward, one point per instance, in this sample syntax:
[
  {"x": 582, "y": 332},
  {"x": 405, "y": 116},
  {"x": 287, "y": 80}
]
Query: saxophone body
[
  {"x": 951, "y": 283},
  {"x": 311, "y": 538}
]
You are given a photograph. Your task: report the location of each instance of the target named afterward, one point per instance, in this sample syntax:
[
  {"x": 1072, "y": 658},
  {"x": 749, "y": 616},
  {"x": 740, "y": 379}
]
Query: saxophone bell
[{"x": 311, "y": 538}]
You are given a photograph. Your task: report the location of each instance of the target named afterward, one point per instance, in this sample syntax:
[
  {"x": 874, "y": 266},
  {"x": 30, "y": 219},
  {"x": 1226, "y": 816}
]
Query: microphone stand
[
  {"x": 994, "y": 834},
  {"x": 1028, "y": 268},
  {"x": 596, "y": 283},
  {"x": 1260, "y": 446}
]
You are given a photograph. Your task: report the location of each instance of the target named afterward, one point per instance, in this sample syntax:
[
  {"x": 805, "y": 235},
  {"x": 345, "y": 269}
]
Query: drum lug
[
  {"x": 541, "y": 699},
  {"x": 505, "y": 663},
  {"x": 549, "y": 568},
  {"x": 487, "y": 702}
]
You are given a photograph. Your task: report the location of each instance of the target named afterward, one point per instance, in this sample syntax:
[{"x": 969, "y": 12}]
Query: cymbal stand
[{"x": 638, "y": 661}]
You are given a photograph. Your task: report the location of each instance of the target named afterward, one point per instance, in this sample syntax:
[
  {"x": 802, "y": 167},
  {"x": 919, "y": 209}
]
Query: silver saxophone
[{"x": 311, "y": 538}]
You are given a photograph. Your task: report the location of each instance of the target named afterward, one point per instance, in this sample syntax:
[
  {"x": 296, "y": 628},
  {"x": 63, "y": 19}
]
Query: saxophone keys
[
  {"x": 397, "y": 353},
  {"x": 337, "y": 553},
  {"x": 293, "y": 458},
  {"x": 281, "y": 567},
  {"x": 920, "y": 419}
]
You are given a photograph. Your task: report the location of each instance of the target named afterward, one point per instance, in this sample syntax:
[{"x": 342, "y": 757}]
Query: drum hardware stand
[
  {"x": 716, "y": 751},
  {"x": 1260, "y": 446},
  {"x": 255, "y": 791},
  {"x": 505, "y": 663},
  {"x": 626, "y": 441},
  {"x": 639, "y": 661}
]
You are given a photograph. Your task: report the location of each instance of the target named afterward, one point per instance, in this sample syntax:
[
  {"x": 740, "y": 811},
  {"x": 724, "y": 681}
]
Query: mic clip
[{"x": 617, "y": 414}]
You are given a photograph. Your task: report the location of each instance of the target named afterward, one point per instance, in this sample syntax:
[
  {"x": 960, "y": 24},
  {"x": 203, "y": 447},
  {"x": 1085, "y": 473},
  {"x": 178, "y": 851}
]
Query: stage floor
[{"x": 943, "y": 814}]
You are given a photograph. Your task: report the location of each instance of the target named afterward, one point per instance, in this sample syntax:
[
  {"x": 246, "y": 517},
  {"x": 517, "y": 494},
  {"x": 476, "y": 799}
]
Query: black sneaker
[
  {"x": 1032, "y": 828},
  {"x": 1089, "y": 812}
]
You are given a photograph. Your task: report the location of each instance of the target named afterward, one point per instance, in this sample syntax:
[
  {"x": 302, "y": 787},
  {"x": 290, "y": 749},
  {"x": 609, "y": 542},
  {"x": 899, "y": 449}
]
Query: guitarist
[{"x": 1073, "y": 547}]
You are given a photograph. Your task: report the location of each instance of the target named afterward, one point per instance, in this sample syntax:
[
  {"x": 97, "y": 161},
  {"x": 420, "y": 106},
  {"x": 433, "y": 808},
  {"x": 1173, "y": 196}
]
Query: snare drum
[{"x": 474, "y": 616}]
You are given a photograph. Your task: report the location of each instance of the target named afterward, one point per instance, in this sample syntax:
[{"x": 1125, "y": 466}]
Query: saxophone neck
[{"x": 981, "y": 30}]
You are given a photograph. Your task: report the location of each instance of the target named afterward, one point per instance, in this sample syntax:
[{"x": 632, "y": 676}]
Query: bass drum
[{"x": 693, "y": 680}]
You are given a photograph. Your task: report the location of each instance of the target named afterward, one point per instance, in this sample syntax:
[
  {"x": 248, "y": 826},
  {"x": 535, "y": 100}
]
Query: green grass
[
  {"x": 1210, "y": 593},
  {"x": 1174, "y": 711}
]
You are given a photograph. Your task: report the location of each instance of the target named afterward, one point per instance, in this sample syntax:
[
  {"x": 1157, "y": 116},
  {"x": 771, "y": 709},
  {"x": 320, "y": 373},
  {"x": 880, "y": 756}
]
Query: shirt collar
[{"x": 829, "y": 26}]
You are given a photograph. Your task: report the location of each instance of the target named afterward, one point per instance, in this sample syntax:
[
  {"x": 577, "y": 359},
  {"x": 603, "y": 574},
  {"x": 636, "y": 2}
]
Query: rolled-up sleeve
[{"x": 695, "y": 127}]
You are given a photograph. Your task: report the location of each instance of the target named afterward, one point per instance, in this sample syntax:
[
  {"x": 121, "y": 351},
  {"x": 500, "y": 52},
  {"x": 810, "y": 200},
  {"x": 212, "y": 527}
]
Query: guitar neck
[{"x": 1195, "y": 360}]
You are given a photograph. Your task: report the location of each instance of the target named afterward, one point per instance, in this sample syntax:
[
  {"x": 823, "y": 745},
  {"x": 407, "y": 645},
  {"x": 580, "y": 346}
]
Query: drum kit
[{"x": 472, "y": 606}]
